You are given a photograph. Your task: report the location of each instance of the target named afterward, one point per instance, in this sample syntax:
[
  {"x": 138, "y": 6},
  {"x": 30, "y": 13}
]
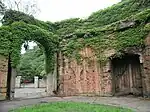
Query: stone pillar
[
  {"x": 36, "y": 81},
  {"x": 18, "y": 82},
  {"x": 12, "y": 84},
  {"x": 61, "y": 73},
  {"x": 51, "y": 82},
  {"x": 50, "y": 85},
  {"x": 52, "y": 79}
]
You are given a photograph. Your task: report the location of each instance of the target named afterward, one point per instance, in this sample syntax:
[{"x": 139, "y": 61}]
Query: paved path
[
  {"x": 137, "y": 104},
  {"x": 24, "y": 93}
]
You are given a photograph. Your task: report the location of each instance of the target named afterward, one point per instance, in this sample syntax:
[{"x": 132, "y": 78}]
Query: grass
[{"x": 71, "y": 107}]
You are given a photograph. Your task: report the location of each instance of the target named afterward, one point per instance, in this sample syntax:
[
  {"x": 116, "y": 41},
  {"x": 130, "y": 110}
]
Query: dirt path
[{"x": 137, "y": 104}]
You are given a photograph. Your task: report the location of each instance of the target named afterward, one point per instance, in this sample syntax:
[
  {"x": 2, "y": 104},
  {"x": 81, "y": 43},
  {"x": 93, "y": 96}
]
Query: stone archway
[{"x": 21, "y": 32}]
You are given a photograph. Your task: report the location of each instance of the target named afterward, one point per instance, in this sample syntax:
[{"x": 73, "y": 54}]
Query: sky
[{"x": 57, "y": 10}]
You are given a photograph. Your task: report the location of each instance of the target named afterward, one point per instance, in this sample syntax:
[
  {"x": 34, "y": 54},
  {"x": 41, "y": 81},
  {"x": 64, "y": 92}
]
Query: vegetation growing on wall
[
  {"x": 12, "y": 16},
  {"x": 117, "y": 12},
  {"x": 120, "y": 35},
  {"x": 14, "y": 35},
  {"x": 116, "y": 27}
]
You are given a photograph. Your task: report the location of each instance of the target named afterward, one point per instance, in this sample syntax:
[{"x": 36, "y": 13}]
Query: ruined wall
[
  {"x": 146, "y": 68},
  {"x": 92, "y": 78},
  {"x": 88, "y": 77},
  {"x": 3, "y": 77}
]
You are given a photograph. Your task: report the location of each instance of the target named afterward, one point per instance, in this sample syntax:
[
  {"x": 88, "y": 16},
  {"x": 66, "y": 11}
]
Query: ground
[
  {"x": 71, "y": 107},
  {"x": 137, "y": 104},
  {"x": 23, "y": 93}
]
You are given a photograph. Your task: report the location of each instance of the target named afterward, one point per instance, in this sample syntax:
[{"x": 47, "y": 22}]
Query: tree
[
  {"x": 29, "y": 7},
  {"x": 2, "y": 7},
  {"x": 32, "y": 64}
]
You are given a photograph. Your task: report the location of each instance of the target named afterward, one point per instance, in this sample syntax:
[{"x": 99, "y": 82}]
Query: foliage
[
  {"x": 103, "y": 17},
  {"x": 118, "y": 27},
  {"x": 31, "y": 63},
  {"x": 18, "y": 32},
  {"x": 106, "y": 29},
  {"x": 118, "y": 36},
  {"x": 2, "y": 8},
  {"x": 67, "y": 26},
  {"x": 147, "y": 27},
  {"x": 5, "y": 43},
  {"x": 15, "y": 16},
  {"x": 71, "y": 107},
  {"x": 116, "y": 12}
]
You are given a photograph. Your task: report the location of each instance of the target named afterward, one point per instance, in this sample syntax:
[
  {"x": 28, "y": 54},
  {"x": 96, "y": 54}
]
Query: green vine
[
  {"x": 115, "y": 28},
  {"x": 14, "y": 36},
  {"x": 117, "y": 36}
]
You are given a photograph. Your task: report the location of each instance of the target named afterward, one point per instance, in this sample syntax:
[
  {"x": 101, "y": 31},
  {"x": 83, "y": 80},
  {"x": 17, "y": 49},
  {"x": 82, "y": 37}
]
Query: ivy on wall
[
  {"x": 118, "y": 27},
  {"x": 120, "y": 35},
  {"x": 15, "y": 16},
  {"x": 14, "y": 35}
]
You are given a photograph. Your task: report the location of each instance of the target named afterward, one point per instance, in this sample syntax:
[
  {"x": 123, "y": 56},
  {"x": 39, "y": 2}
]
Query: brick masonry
[
  {"x": 92, "y": 78},
  {"x": 146, "y": 68},
  {"x": 3, "y": 77},
  {"x": 85, "y": 78}
]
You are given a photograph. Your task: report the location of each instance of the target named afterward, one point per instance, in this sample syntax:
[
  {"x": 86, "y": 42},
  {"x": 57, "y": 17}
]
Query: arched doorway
[
  {"x": 21, "y": 32},
  {"x": 127, "y": 75},
  {"x": 26, "y": 78}
]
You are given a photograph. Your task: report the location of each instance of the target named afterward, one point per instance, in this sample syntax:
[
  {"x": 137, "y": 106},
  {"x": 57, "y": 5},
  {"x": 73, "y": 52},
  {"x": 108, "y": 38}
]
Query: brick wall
[
  {"x": 3, "y": 77},
  {"x": 146, "y": 66},
  {"x": 85, "y": 78},
  {"x": 92, "y": 78}
]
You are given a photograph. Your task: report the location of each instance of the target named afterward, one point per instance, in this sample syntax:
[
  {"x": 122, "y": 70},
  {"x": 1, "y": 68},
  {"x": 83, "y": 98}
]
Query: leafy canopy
[{"x": 32, "y": 63}]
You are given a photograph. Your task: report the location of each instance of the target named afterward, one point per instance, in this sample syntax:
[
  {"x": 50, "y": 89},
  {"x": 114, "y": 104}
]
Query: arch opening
[
  {"x": 30, "y": 79},
  {"x": 19, "y": 33}
]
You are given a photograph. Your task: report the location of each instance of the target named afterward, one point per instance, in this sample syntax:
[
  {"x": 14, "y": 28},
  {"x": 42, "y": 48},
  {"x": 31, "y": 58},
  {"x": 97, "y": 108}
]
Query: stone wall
[
  {"x": 18, "y": 82},
  {"x": 42, "y": 83},
  {"x": 3, "y": 77},
  {"x": 146, "y": 66},
  {"x": 92, "y": 78},
  {"x": 38, "y": 83},
  {"x": 85, "y": 78}
]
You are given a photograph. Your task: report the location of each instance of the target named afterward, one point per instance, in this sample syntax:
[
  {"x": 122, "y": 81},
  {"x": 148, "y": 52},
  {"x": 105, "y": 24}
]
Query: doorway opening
[
  {"x": 28, "y": 79},
  {"x": 127, "y": 75}
]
